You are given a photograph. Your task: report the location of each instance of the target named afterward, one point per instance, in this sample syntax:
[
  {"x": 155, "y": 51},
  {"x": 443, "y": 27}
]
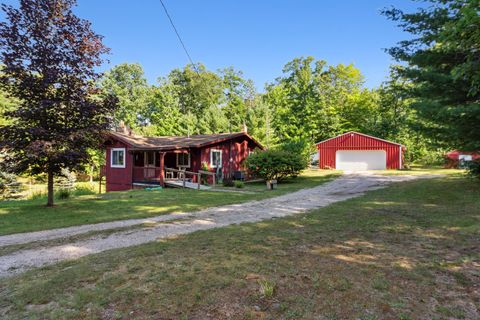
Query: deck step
[{"x": 190, "y": 185}]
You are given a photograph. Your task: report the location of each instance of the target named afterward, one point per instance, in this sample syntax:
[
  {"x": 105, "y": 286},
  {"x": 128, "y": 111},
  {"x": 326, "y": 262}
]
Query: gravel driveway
[{"x": 345, "y": 187}]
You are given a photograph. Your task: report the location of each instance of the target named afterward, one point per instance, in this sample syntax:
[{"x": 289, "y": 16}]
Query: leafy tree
[
  {"x": 49, "y": 57},
  {"x": 6, "y": 104},
  {"x": 196, "y": 91},
  {"x": 313, "y": 101},
  {"x": 128, "y": 84},
  {"x": 443, "y": 66},
  {"x": 239, "y": 95},
  {"x": 258, "y": 120}
]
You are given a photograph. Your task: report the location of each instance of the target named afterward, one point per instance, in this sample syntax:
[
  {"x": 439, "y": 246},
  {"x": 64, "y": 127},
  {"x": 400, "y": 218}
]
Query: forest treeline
[{"x": 310, "y": 101}]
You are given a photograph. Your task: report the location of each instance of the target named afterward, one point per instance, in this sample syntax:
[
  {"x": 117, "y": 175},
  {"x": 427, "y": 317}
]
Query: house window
[
  {"x": 118, "y": 158},
  {"x": 215, "y": 158},
  {"x": 183, "y": 160}
]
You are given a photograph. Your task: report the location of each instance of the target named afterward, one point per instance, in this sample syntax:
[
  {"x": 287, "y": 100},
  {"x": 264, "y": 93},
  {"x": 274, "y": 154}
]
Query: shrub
[
  {"x": 275, "y": 164},
  {"x": 300, "y": 147},
  {"x": 63, "y": 193},
  {"x": 432, "y": 158},
  {"x": 204, "y": 178},
  {"x": 474, "y": 169},
  {"x": 239, "y": 184},
  {"x": 85, "y": 188},
  {"x": 36, "y": 195},
  {"x": 228, "y": 182}
]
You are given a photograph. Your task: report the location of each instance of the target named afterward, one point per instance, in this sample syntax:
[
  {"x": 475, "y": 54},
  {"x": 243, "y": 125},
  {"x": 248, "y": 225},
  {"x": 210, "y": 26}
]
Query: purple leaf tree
[{"x": 48, "y": 58}]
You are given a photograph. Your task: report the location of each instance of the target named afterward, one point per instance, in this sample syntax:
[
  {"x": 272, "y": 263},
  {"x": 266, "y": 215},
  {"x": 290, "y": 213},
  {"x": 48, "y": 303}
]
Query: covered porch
[{"x": 176, "y": 168}]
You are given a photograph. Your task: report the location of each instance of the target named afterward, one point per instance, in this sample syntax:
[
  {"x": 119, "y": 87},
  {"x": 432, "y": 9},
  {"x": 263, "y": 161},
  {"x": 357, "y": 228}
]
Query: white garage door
[{"x": 357, "y": 160}]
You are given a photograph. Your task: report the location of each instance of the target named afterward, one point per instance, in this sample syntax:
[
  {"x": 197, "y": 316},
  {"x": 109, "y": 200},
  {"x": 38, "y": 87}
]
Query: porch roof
[{"x": 176, "y": 142}]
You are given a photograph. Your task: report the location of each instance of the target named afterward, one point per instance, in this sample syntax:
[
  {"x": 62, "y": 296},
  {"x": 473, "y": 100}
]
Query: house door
[{"x": 149, "y": 171}]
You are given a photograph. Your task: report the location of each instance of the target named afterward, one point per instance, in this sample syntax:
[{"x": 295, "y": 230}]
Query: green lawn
[
  {"x": 32, "y": 215},
  {"x": 409, "y": 251},
  {"x": 419, "y": 170}
]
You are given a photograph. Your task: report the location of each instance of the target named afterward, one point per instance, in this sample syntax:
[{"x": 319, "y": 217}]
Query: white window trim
[
  {"x": 184, "y": 166},
  {"x": 124, "y": 158},
  {"x": 212, "y": 165},
  {"x": 145, "y": 159}
]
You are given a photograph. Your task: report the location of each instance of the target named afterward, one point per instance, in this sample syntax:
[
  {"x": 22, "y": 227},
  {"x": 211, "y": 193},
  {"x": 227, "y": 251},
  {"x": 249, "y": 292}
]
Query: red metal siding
[
  {"x": 119, "y": 179},
  {"x": 354, "y": 141},
  {"x": 234, "y": 152}
]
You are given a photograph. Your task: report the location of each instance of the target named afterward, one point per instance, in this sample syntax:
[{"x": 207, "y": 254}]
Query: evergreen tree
[{"x": 442, "y": 63}]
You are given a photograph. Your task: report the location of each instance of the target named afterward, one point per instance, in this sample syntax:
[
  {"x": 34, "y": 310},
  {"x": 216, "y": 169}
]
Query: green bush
[
  {"x": 204, "y": 178},
  {"x": 300, "y": 147},
  {"x": 85, "y": 188},
  {"x": 275, "y": 164},
  {"x": 239, "y": 184},
  {"x": 474, "y": 169},
  {"x": 228, "y": 182},
  {"x": 432, "y": 158},
  {"x": 63, "y": 194}
]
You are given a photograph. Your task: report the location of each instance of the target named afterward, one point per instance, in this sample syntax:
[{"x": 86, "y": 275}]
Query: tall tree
[
  {"x": 443, "y": 64},
  {"x": 313, "y": 101},
  {"x": 239, "y": 97},
  {"x": 49, "y": 57},
  {"x": 197, "y": 88},
  {"x": 128, "y": 84}
]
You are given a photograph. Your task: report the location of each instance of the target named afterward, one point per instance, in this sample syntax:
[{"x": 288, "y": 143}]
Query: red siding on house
[
  {"x": 356, "y": 141},
  {"x": 234, "y": 152},
  {"x": 119, "y": 178}
]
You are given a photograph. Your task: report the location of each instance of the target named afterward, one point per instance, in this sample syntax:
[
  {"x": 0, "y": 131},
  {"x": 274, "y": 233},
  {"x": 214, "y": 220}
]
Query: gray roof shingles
[{"x": 176, "y": 142}]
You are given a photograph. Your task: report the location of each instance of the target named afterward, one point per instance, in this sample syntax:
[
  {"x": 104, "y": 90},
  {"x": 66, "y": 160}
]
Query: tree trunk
[{"x": 50, "y": 189}]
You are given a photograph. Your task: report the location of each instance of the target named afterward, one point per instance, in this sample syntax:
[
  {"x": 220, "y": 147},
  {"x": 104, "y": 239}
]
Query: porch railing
[
  {"x": 182, "y": 175},
  {"x": 141, "y": 174}
]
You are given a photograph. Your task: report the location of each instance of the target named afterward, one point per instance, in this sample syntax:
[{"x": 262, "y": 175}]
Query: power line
[
  {"x": 180, "y": 38},
  {"x": 210, "y": 95}
]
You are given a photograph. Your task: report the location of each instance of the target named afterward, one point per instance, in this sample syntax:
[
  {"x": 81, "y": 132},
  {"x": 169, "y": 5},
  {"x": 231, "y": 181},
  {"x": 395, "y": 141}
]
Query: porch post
[{"x": 162, "y": 169}]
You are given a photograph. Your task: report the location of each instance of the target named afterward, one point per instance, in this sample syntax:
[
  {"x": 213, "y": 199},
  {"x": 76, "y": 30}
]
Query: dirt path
[{"x": 345, "y": 187}]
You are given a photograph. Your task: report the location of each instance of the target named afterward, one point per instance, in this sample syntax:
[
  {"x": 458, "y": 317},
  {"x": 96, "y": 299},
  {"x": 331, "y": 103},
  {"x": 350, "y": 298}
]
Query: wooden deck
[{"x": 175, "y": 183}]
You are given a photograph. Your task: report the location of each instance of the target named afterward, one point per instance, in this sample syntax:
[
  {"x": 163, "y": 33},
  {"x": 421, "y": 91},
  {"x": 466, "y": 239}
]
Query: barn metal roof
[
  {"x": 360, "y": 134},
  {"x": 177, "y": 142}
]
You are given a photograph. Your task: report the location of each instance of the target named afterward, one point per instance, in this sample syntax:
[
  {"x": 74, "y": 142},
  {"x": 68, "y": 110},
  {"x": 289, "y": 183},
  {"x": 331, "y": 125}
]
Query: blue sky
[{"x": 258, "y": 37}]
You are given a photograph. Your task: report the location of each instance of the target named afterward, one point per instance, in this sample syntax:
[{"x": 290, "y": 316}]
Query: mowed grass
[
  {"x": 410, "y": 251},
  {"x": 421, "y": 170},
  {"x": 32, "y": 215}
]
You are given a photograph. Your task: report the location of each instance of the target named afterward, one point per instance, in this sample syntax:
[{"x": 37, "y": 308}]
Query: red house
[
  {"x": 353, "y": 151},
  {"x": 133, "y": 160}
]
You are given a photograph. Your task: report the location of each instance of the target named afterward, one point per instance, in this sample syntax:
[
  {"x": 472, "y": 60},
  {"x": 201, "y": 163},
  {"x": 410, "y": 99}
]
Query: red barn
[
  {"x": 353, "y": 151},
  {"x": 133, "y": 160}
]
